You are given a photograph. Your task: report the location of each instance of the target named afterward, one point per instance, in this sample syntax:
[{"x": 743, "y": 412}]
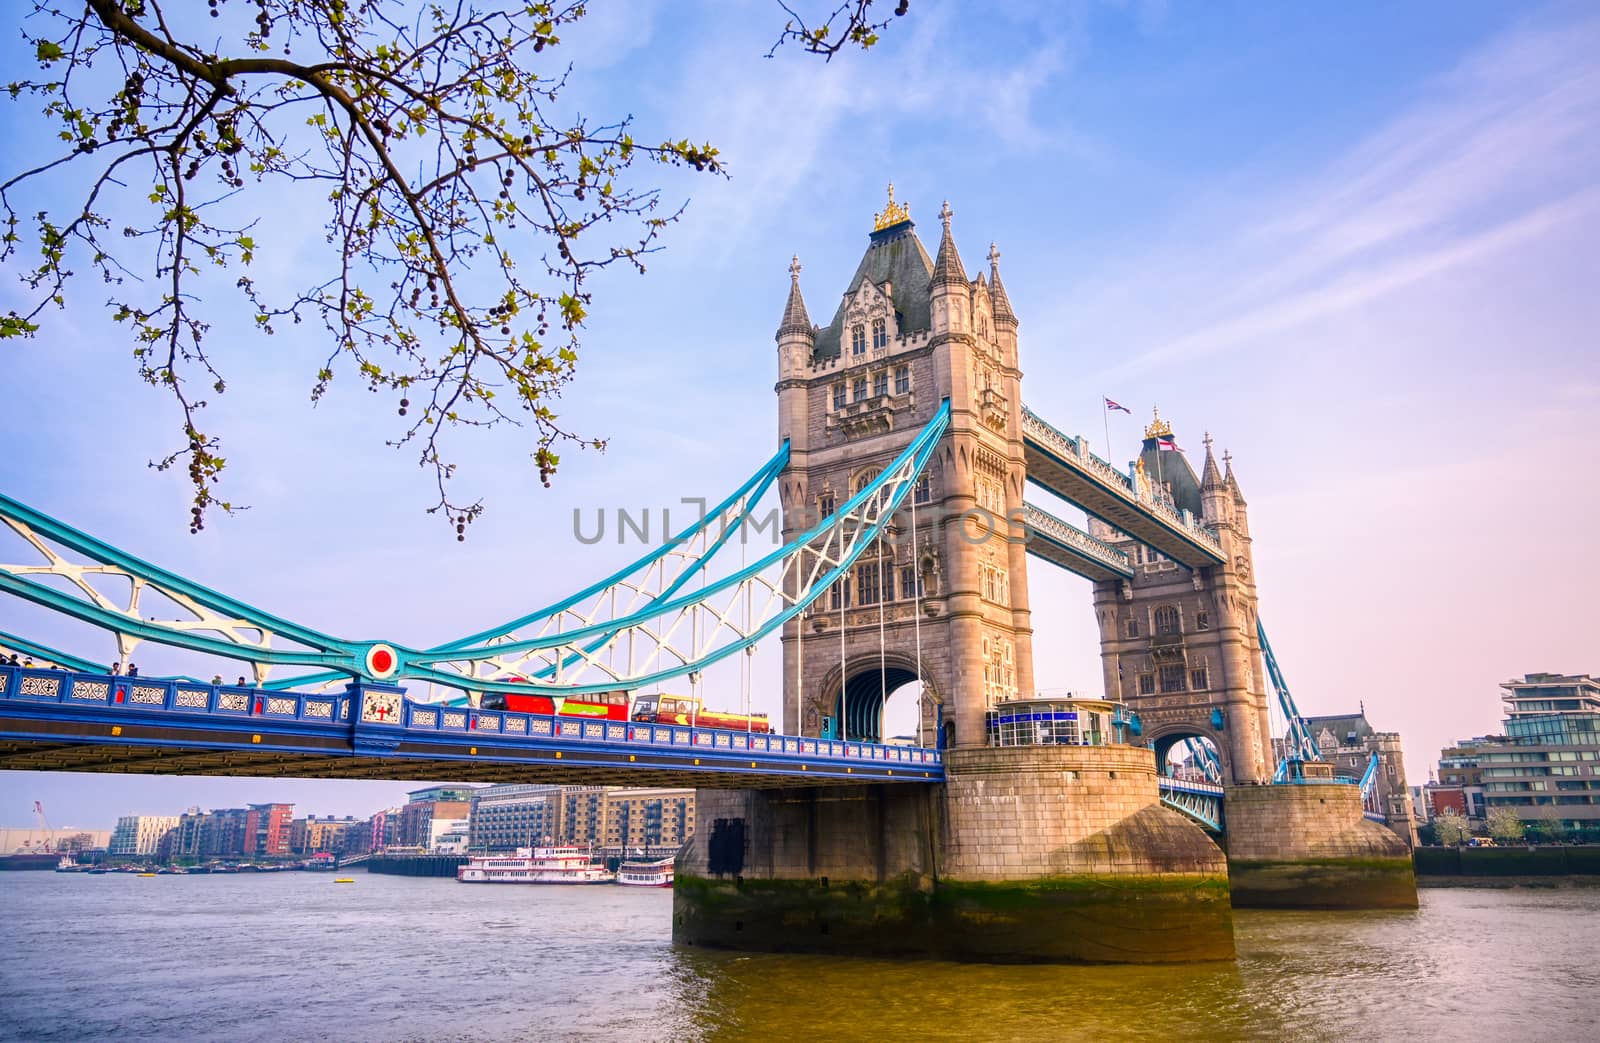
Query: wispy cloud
[
  {"x": 788, "y": 123},
  {"x": 1504, "y": 148}
]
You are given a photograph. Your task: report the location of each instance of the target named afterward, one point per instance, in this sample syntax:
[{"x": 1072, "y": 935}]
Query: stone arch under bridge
[
  {"x": 1163, "y": 738},
  {"x": 859, "y": 707}
]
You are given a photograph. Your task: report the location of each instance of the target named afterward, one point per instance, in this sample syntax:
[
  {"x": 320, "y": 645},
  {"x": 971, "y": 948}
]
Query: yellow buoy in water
[
  {"x": 147, "y": 874},
  {"x": 345, "y": 880}
]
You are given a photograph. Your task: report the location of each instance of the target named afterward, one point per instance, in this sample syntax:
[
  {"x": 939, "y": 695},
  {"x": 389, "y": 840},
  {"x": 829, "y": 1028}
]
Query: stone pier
[
  {"x": 1026, "y": 854},
  {"x": 1309, "y": 846}
]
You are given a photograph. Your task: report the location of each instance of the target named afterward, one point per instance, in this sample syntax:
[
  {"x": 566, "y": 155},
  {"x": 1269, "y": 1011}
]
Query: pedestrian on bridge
[{"x": 133, "y": 669}]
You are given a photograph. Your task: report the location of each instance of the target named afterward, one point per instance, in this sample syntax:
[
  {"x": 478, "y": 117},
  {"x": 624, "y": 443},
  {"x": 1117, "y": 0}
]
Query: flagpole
[
  {"x": 1105, "y": 418},
  {"x": 1160, "y": 483}
]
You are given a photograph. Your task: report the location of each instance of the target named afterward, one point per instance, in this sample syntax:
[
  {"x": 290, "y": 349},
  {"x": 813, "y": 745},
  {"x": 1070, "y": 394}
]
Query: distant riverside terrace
[{"x": 435, "y": 820}]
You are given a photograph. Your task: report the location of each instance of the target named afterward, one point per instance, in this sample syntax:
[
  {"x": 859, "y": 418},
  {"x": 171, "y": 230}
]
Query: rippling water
[{"x": 296, "y": 956}]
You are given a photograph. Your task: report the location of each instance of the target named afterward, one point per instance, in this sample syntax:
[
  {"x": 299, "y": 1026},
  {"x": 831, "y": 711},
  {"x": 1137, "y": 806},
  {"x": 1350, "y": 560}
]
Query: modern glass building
[{"x": 1548, "y": 767}]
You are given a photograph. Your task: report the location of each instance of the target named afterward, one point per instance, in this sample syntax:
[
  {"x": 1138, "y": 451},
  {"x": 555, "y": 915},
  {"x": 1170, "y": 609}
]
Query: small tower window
[
  {"x": 923, "y": 492},
  {"x": 1172, "y": 679},
  {"x": 1167, "y": 620},
  {"x": 902, "y": 380},
  {"x": 858, "y": 340},
  {"x": 880, "y": 334},
  {"x": 825, "y": 505},
  {"x": 1198, "y": 679},
  {"x": 838, "y": 396},
  {"x": 859, "y": 389},
  {"x": 880, "y": 382},
  {"x": 1133, "y": 627},
  {"x": 1202, "y": 620},
  {"x": 983, "y": 326},
  {"x": 1147, "y": 684},
  {"x": 839, "y": 593}
]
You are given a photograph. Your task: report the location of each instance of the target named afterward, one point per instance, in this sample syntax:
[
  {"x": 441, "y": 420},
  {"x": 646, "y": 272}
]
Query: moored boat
[
  {"x": 646, "y": 874},
  {"x": 539, "y": 865}
]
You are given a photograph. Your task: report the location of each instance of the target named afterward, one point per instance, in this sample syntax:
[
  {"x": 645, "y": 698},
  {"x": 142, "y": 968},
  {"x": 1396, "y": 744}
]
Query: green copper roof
[{"x": 894, "y": 255}]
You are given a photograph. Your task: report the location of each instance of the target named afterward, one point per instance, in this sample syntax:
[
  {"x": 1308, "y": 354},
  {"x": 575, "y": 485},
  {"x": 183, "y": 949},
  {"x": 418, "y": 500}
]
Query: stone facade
[
  {"x": 1178, "y": 643},
  {"x": 909, "y": 333}
]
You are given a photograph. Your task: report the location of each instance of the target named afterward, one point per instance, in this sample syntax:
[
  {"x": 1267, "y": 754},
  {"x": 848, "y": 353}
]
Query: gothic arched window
[
  {"x": 880, "y": 334},
  {"x": 858, "y": 340},
  {"x": 1166, "y": 620}
]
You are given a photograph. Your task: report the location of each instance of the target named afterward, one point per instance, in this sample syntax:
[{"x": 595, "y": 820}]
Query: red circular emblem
[{"x": 381, "y": 661}]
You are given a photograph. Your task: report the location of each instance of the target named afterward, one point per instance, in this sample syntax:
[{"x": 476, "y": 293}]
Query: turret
[
  {"x": 1005, "y": 320},
  {"x": 1240, "y": 515},
  {"x": 797, "y": 340},
  {"x": 1216, "y": 500},
  {"x": 796, "y": 336},
  {"x": 948, "y": 289}
]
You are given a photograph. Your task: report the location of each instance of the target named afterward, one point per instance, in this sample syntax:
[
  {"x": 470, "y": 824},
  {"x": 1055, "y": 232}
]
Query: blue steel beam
[
  {"x": 1199, "y": 801},
  {"x": 853, "y": 528},
  {"x": 1301, "y": 745}
]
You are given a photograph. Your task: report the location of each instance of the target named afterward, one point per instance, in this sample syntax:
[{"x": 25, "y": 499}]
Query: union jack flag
[{"x": 1118, "y": 407}]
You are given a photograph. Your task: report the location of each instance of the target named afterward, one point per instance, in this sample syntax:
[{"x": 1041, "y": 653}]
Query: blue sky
[{"x": 1354, "y": 242}]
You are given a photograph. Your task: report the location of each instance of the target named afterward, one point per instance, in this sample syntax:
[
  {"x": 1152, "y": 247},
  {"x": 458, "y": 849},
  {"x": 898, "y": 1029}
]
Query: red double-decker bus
[
  {"x": 610, "y": 706},
  {"x": 689, "y": 711}
]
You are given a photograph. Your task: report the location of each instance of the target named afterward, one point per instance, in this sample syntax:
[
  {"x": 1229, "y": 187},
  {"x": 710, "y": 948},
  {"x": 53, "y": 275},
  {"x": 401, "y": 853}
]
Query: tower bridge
[{"x": 904, "y": 455}]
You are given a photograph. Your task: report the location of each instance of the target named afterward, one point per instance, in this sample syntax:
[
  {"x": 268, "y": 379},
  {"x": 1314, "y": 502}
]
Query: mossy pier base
[
  {"x": 1028, "y": 854},
  {"x": 1310, "y": 847}
]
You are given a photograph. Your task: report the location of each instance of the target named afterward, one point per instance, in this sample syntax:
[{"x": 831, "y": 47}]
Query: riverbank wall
[
  {"x": 1503, "y": 862},
  {"x": 415, "y": 865}
]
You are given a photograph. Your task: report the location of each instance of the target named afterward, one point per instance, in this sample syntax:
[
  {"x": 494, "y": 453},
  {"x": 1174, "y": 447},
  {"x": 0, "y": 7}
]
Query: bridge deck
[
  {"x": 54, "y": 720},
  {"x": 1064, "y": 466}
]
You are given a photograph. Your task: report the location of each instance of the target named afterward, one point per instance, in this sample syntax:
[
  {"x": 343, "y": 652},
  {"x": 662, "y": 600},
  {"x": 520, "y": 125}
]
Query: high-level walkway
[{"x": 1063, "y": 465}]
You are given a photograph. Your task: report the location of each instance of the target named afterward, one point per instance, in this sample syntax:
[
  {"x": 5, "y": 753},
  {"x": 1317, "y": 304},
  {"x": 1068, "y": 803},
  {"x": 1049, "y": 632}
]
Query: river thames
[{"x": 298, "y": 956}]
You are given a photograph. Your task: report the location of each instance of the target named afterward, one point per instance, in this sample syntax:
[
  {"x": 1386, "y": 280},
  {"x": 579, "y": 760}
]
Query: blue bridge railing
[{"x": 188, "y": 702}]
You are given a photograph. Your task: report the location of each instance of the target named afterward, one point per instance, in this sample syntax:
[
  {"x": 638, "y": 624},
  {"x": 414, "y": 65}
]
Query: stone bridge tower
[
  {"x": 1177, "y": 644},
  {"x": 909, "y": 333}
]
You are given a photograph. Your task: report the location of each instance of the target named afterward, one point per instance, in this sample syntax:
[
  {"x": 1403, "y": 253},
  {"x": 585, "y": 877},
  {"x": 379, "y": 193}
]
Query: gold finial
[
  {"x": 1158, "y": 428},
  {"x": 892, "y": 214}
]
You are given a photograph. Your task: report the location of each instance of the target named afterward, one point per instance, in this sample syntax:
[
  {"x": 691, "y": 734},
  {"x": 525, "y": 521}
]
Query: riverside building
[
  {"x": 140, "y": 834},
  {"x": 1547, "y": 768}
]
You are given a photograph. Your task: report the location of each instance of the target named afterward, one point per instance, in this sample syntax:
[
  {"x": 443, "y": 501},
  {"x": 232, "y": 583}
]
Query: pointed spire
[
  {"x": 1233, "y": 483},
  {"x": 795, "y": 319},
  {"x": 997, "y": 291},
  {"x": 947, "y": 266},
  {"x": 1210, "y": 478}
]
